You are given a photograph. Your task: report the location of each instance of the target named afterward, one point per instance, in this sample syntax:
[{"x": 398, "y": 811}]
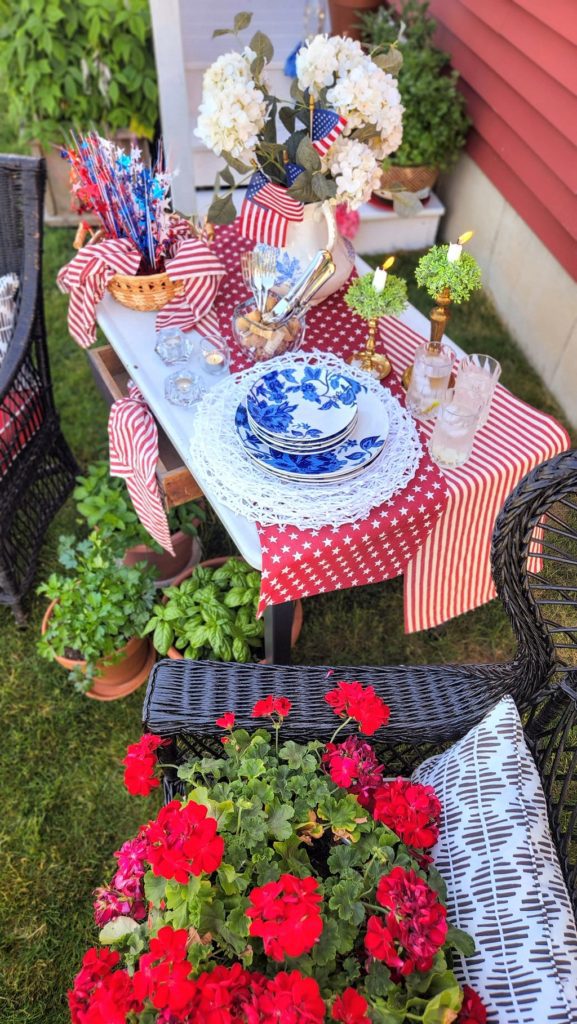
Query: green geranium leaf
[
  {"x": 117, "y": 930},
  {"x": 279, "y": 821},
  {"x": 154, "y": 888},
  {"x": 294, "y": 855},
  {"x": 460, "y": 940},
  {"x": 378, "y": 981},
  {"x": 227, "y": 877},
  {"x": 436, "y": 1009},
  {"x": 345, "y": 900}
]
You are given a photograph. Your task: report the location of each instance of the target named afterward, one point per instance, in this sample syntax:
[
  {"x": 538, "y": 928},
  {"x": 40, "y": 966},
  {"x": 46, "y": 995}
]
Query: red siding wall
[{"x": 518, "y": 61}]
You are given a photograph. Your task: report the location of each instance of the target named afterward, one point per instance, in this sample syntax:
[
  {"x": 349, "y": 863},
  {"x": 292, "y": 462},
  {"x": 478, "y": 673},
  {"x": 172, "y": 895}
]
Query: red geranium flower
[
  {"x": 351, "y": 1008},
  {"x": 226, "y": 721},
  {"x": 286, "y": 915},
  {"x": 272, "y": 706},
  {"x": 163, "y": 973},
  {"x": 352, "y": 700},
  {"x": 140, "y": 762},
  {"x": 409, "y": 809},
  {"x": 291, "y": 999},
  {"x": 473, "y": 1010},
  {"x": 353, "y": 765},
  {"x": 101, "y": 995},
  {"x": 182, "y": 841},
  {"x": 414, "y": 929}
]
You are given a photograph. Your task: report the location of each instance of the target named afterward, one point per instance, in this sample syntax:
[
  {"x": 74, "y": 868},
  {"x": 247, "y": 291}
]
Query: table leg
[{"x": 278, "y": 620}]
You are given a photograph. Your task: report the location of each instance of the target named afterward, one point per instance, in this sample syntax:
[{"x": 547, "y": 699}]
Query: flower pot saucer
[{"x": 125, "y": 688}]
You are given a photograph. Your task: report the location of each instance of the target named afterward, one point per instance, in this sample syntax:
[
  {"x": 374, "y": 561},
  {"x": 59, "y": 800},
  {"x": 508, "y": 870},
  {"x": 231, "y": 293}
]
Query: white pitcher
[{"x": 318, "y": 230}]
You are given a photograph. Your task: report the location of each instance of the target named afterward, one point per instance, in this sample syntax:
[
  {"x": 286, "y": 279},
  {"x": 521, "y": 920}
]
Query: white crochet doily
[{"x": 261, "y": 497}]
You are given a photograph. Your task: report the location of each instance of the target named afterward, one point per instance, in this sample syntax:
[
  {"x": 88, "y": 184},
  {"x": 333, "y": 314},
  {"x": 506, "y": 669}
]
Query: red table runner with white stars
[{"x": 437, "y": 531}]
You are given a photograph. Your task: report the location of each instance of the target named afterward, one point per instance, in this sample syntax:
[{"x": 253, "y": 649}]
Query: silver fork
[{"x": 266, "y": 261}]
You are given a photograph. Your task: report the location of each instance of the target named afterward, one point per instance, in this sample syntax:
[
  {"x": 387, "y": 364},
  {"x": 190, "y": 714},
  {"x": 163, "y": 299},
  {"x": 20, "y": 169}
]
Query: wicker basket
[
  {"x": 419, "y": 180},
  {"x": 147, "y": 292}
]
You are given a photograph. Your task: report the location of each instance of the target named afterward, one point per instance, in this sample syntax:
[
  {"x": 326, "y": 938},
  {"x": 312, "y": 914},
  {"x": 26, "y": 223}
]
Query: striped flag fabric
[
  {"x": 133, "y": 452},
  {"x": 201, "y": 273},
  {"x": 327, "y": 126},
  {"x": 267, "y": 211},
  {"x": 85, "y": 279}
]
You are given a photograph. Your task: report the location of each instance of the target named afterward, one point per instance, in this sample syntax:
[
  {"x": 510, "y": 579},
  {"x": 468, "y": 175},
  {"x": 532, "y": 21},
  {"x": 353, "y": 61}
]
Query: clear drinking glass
[
  {"x": 429, "y": 380},
  {"x": 479, "y": 374},
  {"x": 458, "y": 418}
]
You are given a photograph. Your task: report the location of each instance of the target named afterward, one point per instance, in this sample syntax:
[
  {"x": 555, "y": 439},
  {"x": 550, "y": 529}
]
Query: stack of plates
[{"x": 310, "y": 423}]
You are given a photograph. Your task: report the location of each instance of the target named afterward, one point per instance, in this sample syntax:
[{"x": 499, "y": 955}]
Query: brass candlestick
[
  {"x": 439, "y": 317},
  {"x": 375, "y": 363}
]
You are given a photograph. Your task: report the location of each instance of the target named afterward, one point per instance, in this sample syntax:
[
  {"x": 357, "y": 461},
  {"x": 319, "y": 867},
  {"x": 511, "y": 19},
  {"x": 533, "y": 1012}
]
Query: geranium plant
[
  {"x": 212, "y": 614},
  {"x": 292, "y": 885},
  {"x": 344, "y": 117}
]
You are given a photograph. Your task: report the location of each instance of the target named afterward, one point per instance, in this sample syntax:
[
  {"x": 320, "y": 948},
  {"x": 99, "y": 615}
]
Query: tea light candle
[
  {"x": 183, "y": 382},
  {"x": 214, "y": 361},
  {"x": 380, "y": 275},
  {"x": 456, "y": 248}
]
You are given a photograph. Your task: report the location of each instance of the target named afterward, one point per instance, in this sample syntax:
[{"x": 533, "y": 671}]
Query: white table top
[{"x": 132, "y": 336}]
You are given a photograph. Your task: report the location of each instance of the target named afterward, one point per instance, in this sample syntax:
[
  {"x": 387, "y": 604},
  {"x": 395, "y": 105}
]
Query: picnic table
[{"x": 436, "y": 533}]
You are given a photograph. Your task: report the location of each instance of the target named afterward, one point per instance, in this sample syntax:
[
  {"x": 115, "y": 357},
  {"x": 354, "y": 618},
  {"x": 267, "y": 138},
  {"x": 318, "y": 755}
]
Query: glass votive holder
[
  {"x": 429, "y": 380},
  {"x": 183, "y": 388},
  {"x": 174, "y": 346},
  {"x": 458, "y": 418},
  {"x": 214, "y": 356},
  {"x": 263, "y": 341},
  {"x": 479, "y": 374}
]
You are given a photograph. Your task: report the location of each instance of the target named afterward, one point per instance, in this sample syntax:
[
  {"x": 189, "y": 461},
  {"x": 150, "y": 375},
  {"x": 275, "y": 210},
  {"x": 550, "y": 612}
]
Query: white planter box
[{"x": 382, "y": 230}]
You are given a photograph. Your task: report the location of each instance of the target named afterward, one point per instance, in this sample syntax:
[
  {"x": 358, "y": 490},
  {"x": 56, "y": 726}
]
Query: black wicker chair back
[{"x": 37, "y": 469}]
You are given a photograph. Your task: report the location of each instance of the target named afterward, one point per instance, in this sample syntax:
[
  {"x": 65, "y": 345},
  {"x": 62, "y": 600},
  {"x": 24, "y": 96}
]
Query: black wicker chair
[
  {"x": 37, "y": 468},
  {"x": 432, "y": 706}
]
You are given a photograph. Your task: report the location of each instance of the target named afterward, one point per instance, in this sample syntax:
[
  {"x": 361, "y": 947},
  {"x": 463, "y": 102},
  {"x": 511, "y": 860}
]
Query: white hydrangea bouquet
[{"x": 344, "y": 119}]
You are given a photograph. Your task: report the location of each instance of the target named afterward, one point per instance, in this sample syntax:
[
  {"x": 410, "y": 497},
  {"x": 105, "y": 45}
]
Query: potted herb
[
  {"x": 292, "y": 883},
  {"x": 76, "y": 62},
  {"x": 94, "y": 625},
  {"x": 212, "y": 614},
  {"x": 435, "y": 122},
  {"x": 103, "y": 503}
]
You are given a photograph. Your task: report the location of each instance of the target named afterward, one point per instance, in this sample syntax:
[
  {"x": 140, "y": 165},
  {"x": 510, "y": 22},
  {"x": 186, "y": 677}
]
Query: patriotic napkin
[
  {"x": 133, "y": 450},
  {"x": 86, "y": 276}
]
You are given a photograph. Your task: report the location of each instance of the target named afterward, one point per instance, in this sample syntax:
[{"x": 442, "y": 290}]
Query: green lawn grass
[{"x": 64, "y": 810}]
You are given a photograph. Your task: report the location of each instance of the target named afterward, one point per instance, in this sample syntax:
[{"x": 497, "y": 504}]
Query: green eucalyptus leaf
[
  {"x": 307, "y": 156},
  {"x": 324, "y": 188}
]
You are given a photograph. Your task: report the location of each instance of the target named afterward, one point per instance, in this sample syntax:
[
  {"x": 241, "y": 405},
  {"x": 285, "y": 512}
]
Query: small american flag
[
  {"x": 267, "y": 210},
  {"x": 327, "y": 126}
]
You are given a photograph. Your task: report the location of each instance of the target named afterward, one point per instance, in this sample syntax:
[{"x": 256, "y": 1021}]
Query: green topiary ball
[
  {"x": 434, "y": 272},
  {"x": 362, "y": 297}
]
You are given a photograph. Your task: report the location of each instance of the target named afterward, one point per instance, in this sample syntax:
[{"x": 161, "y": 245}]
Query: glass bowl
[{"x": 261, "y": 341}]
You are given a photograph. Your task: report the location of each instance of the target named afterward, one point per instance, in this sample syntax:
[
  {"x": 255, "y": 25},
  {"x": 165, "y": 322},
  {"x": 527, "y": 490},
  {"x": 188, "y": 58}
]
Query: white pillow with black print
[
  {"x": 504, "y": 881},
  {"x": 8, "y": 290}
]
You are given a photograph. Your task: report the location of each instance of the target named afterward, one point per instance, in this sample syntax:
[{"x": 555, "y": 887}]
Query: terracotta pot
[
  {"x": 419, "y": 180},
  {"x": 344, "y": 15},
  {"x": 120, "y": 678},
  {"x": 215, "y": 563},
  {"x": 171, "y": 568}
]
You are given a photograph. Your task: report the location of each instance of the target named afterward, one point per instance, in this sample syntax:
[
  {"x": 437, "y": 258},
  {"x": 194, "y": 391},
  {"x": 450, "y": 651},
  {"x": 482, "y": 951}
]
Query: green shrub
[
  {"x": 435, "y": 121},
  {"x": 77, "y": 63}
]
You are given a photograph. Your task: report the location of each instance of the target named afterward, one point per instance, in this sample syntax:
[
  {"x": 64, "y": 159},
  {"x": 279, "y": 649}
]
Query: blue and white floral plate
[
  {"x": 303, "y": 403},
  {"x": 304, "y": 446},
  {"x": 351, "y": 455}
]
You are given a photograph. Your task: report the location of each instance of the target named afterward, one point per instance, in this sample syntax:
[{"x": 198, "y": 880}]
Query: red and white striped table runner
[{"x": 438, "y": 531}]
